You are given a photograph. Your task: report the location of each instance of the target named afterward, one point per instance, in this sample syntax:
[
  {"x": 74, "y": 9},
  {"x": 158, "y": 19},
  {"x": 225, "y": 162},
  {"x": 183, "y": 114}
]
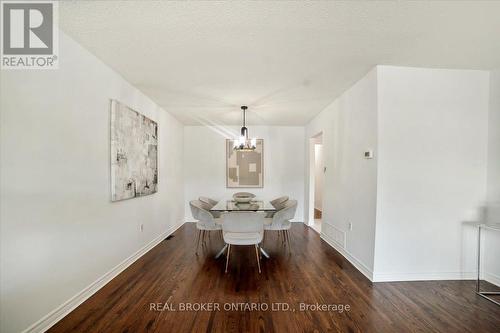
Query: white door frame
[{"x": 312, "y": 177}]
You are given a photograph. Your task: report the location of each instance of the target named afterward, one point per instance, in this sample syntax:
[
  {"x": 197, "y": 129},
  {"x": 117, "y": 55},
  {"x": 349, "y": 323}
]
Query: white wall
[
  {"x": 494, "y": 148},
  {"x": 349, "y": 127},
  {"x": 59, "y": 230},
  {"x": 205, "y": 164},
  {"x": 492, "y": 238},
  {"x": 319, "y": 176},
  {"x": 432, "y": 137},
  {"x": 428, "y": 130}
]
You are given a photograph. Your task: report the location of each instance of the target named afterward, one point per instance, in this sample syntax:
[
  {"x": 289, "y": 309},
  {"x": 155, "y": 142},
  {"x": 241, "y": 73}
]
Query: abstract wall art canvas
[
  {"x": 134, "y": 153},
  {"x": 244, "y": 168}
]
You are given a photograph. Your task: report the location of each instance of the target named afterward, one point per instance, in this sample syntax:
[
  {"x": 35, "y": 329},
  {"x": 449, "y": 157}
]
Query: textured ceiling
[{"x": 286, "y": 60}]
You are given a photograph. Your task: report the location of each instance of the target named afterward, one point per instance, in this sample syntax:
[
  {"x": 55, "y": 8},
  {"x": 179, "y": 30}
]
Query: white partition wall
[
  {"x": 494, "y": 148},
  {"x": 491, "y": 250},
  {"x": 433, "y": 126}
]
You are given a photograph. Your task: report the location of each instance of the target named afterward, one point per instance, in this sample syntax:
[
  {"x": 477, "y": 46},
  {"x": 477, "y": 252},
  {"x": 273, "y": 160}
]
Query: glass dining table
[
  {"x": 227, "y": 206},
  {"x": 252, "y": 206}
]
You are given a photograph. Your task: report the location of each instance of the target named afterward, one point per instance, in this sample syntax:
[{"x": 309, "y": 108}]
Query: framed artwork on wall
[
  {"x": 134, "y": 153},
  {"x": 244, "y": 169}
]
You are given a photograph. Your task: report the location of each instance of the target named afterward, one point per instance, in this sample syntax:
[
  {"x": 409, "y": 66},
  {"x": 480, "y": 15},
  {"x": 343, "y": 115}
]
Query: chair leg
[
  {"x": 198, "y": 236},
  {"x": 227, "y": 256},
  {"x": 257, "y": 255},
  {"x": 288, "y": 240}
]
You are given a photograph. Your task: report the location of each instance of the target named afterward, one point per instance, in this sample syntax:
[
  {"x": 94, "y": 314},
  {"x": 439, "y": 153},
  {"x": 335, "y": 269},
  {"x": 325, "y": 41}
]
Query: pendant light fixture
[{"x": 244, "y": 143}]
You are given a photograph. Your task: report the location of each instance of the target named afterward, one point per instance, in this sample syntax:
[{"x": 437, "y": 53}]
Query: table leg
[
  {"x": 264, "y": 253},
  {"x": 483, "y": 294},
  {"x": 221, "y": 252}
]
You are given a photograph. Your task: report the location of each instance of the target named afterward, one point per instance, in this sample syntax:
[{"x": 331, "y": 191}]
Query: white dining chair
[
  {"x": 210, "y": 203},
  {"x": 281, "y": 220},
  {"x": 205, "y": 221},
  {"x": 243, "y": 228},
  {"x": 278, "y": 204},
  {"x": 208, "y": 200}
]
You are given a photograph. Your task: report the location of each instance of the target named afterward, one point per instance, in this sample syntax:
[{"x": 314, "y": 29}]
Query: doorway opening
[{"x": 316, "y": 181}]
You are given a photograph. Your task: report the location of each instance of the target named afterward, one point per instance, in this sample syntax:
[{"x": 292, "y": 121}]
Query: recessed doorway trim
[{"x": 313, "y": 140}]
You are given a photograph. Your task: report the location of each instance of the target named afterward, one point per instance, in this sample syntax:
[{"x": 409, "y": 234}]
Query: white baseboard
[
  {"x": 423, "y": 276},
  {"x": 430, "y": 276},
  {"x": 61, "y": 311},
  {"x": 397, "y": 276},
  {"x": 353, "y": 260},
  {"x": 492, "y": 278}
]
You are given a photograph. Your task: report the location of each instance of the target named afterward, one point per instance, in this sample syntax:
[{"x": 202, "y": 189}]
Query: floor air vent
[{"x": 335, "y": 234}]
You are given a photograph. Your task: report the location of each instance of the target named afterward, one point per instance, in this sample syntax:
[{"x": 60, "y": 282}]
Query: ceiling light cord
[{"x": 244, "y": 131}]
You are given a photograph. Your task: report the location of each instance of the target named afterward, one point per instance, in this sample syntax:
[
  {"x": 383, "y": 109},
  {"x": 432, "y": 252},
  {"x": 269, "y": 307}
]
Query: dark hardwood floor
[{"x": 313, "y": 273}]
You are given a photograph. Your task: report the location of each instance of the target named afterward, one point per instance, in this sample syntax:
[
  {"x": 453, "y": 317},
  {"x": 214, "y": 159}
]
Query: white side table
[{"x": 480, "y": 226}]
